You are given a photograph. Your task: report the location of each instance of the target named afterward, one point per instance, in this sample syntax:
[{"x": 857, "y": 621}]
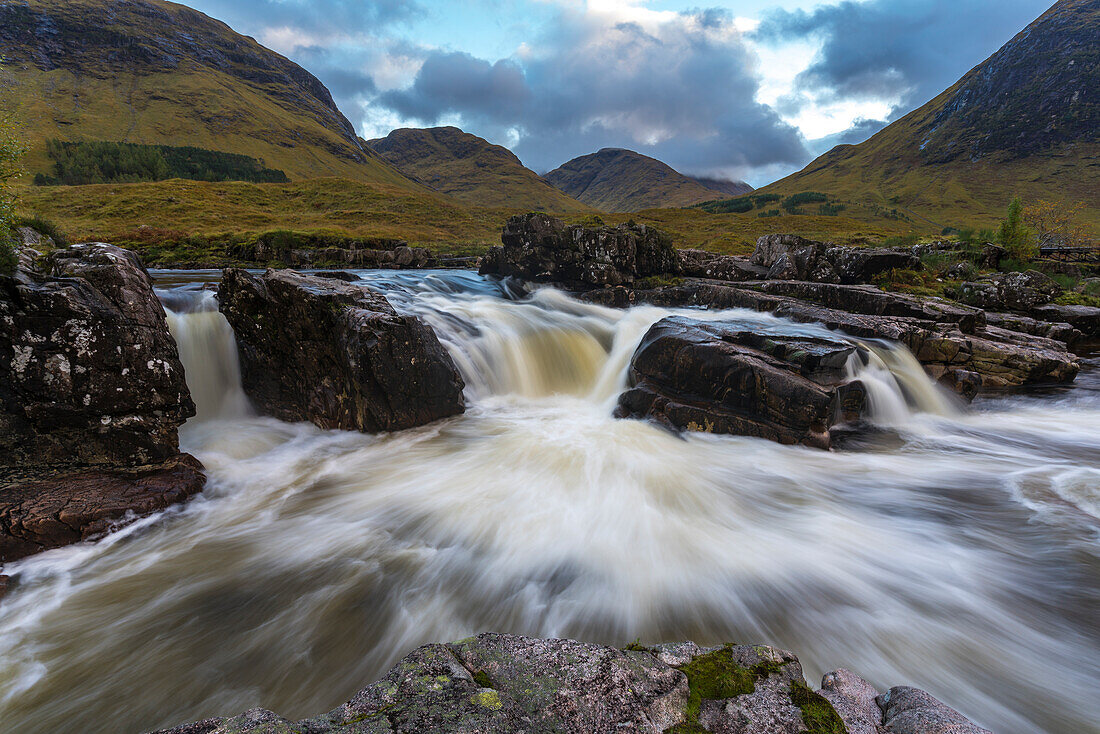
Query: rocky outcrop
[
  {"x": 718, "y": 378},
  {"x": 541, "y": 248},
  {"x": 54, "y": 511},
  {"x": 336, "y": 354},
  {"x": 703, "y": 264},
  {"x": 789, "y": 257},
  {"x": 1010, "y": 291},
  {"x": 303, "y": 251},
  {"x": 504, "y": 684},
  {"x": 1001, "y": 358},
  {"x": 91, "y": 391},
  {"x": 1085, "y": 319}
]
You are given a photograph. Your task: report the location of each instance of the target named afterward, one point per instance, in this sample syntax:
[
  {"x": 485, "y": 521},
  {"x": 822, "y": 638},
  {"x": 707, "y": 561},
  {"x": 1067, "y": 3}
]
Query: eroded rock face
[
  {"x": 504, "y": 684},
  {"x": 541, "y": 248},
  {"x": 1010, "y": 291},
  {"x": 89, "y": 374},
  {"x": 50, "y": 512},
  {"x": 719, "y": 378},
  {"x": 336, "y": 354},
  {"x": 789, "y": 257},
  {"x": 92, "y": 393}
]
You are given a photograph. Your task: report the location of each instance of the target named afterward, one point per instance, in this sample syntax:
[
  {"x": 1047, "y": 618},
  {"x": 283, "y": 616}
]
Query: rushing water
[{"x": 963, "y": 558}]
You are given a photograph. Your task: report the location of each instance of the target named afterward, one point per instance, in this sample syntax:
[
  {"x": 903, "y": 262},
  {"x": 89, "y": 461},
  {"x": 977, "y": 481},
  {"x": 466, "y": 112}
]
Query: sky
[{"x": 741, "y": 89}]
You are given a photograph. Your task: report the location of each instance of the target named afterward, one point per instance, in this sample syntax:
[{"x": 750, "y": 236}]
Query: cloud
[
  {"x": 340, "y": 16},
  {"x": 902, "y": 51},
  {"x": 860, "y": 130},
  {"x": 679, "y": 86}
]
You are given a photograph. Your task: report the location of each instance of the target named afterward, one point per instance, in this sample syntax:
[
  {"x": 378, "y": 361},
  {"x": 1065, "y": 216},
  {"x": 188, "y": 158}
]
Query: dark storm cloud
[
  {"x": 682, "y": 90},
  {"x": 881, "y": 49}
]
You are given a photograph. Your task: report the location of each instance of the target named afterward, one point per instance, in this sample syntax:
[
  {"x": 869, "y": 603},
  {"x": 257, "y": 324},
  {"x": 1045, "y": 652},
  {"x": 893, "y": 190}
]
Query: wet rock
[
  {"x": 50, "y": 512},
  {"x": 718, "y": 378},
  {"x": 337, "y": 275},
  {"x": 1010, "y": 291},
  {"x": 1058, "y": 331},
  {"x": 1086, "y": 319},
  {"x": 89, "y": 374},
  {"x": 912, "y": 711},
  {"x": 336, "y": 354},
  {"x": 538, "y": 247}
]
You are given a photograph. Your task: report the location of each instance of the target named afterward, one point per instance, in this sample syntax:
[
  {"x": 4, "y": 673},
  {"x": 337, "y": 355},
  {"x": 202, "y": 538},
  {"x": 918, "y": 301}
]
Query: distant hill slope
[
  {"x": 1024, "y": 122},
  {"x": 618, "y": 180},
  {"x": 470, "y": 169},
  {"x": 154, "y": 72}
]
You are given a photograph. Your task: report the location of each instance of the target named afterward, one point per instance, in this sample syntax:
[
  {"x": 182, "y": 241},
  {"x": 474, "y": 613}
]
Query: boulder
[
  {"x": 92, "y": 393},
  {"x": 538, "y": 247},
  {"x": 703, "y": 264},
  {"x": 861, "y": 264},
  {"x": 1062, "y": 332},
  {"x": 505, "y": 684},
  {"x": 53, "y": 511},
  {"x": 719, "y": 378},
  {"x": 913, "y": 711},
  {"x": 89, "y": 373},
  {"x": 336, "y": 354},
  {"x": 1010, "y": 291}
]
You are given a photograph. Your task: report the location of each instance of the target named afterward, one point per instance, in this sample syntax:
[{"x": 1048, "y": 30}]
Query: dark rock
[
  {"x": 541, "y": 248},
  {"x": 337, "y": 275},
  {"x": 912, "y": 711},
  {"x": 770, "y": 248},
  {"x": 963, "y": 383},
  {"x": 703, "y": 264},
  {"x": 715, "y": 377},
  {"x": 1010, "y": 291},
  {"x": 861, "y": 264},
  {"x": 89, "y": 374},
  {"x": 1057, "y": 331},
  {"x": 1086, "y": 319},
  {"x": 940, "y": 347},
  {"x": 50, "y": 512},
  {"x": 336, "y": 354}
]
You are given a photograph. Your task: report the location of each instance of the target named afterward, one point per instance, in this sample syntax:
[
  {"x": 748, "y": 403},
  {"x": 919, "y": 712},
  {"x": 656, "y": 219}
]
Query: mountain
[
  {"x": 1024, "y": 122},
  {"x": 470, "y": 169},
  {"x": 723, "y": 186},
  {"x": 158, "y": 73},
  {"x": 618, "y": 180}
]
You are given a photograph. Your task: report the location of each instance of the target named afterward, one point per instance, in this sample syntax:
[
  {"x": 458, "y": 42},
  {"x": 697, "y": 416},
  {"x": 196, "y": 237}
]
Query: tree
[
  {"x": 11, "y": 155},
  {"x": 1015, "y": 236},
  {"x": 1057, "y": 222}
]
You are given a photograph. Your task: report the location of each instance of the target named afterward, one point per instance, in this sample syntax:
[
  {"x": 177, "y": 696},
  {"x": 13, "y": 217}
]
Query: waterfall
[
  {"x": 897, "y": 385},
  {"x": 208, "y": 351}
]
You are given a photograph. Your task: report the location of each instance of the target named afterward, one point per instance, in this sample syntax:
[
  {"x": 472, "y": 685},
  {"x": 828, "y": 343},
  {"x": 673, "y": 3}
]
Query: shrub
[
  {"x": 1014, "y": 236},
  {"x": 769, "y": 213},
  {"x": 11, "y": 153},
  {"x": 792, "y": 203}
]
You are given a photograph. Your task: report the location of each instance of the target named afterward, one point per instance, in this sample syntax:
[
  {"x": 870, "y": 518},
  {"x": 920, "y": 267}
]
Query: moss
[
  {"x": 715, "y": 677},
  {"x": 636, "y": 646},
  {"x": 487, "y": 698},
  {"x": 1077, "y": 299},
  {"x": 482, "y": 679},
  {"x": 818, "y": 714}
]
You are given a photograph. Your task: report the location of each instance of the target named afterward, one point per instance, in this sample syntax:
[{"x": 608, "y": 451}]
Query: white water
[{"x": 963, "y": 561}]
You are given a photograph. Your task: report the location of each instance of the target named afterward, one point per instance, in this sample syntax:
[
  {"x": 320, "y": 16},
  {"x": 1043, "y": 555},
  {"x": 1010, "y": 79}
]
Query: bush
[
  {"x": 769, "y": 213},
  {"x": 1014, "y": 236},
  {"x": 792, "y": 203}
]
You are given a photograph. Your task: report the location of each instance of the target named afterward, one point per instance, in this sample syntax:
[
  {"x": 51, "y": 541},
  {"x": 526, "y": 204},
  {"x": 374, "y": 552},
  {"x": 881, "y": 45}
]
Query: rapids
[{"x": 963, "y": 557}]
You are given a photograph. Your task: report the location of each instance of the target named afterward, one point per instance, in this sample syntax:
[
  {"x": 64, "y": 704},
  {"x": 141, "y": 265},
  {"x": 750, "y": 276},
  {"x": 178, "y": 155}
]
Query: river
[{"x": 961, "y": 556}]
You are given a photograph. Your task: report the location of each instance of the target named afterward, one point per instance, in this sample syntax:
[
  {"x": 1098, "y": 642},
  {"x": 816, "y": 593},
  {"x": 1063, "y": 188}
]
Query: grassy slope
[
  {"x": 470, "y": 169},
  {"x": 617, "y": 180},
  {"x": 1014, "y": 125},
  {"x": 156, "y": 72}
]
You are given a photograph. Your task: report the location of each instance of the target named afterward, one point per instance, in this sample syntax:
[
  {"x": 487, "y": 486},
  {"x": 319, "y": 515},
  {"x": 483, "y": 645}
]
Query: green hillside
[
  {"x": 1025, "y": 122},
  {"x": 158, "y": 73},
  {"x": 470, "y": 169}
]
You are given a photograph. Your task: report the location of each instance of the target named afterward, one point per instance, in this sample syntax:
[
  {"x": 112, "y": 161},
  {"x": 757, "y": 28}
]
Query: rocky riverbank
[
  {"x": 92, "y": 393},
  {"x": 507, "y": 684}
]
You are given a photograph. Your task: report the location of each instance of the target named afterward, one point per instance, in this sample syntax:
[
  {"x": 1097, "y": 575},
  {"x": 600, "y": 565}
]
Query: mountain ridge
[
  {"x": 469, "y": 168},
  {"x": 622, "y": 180}
]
